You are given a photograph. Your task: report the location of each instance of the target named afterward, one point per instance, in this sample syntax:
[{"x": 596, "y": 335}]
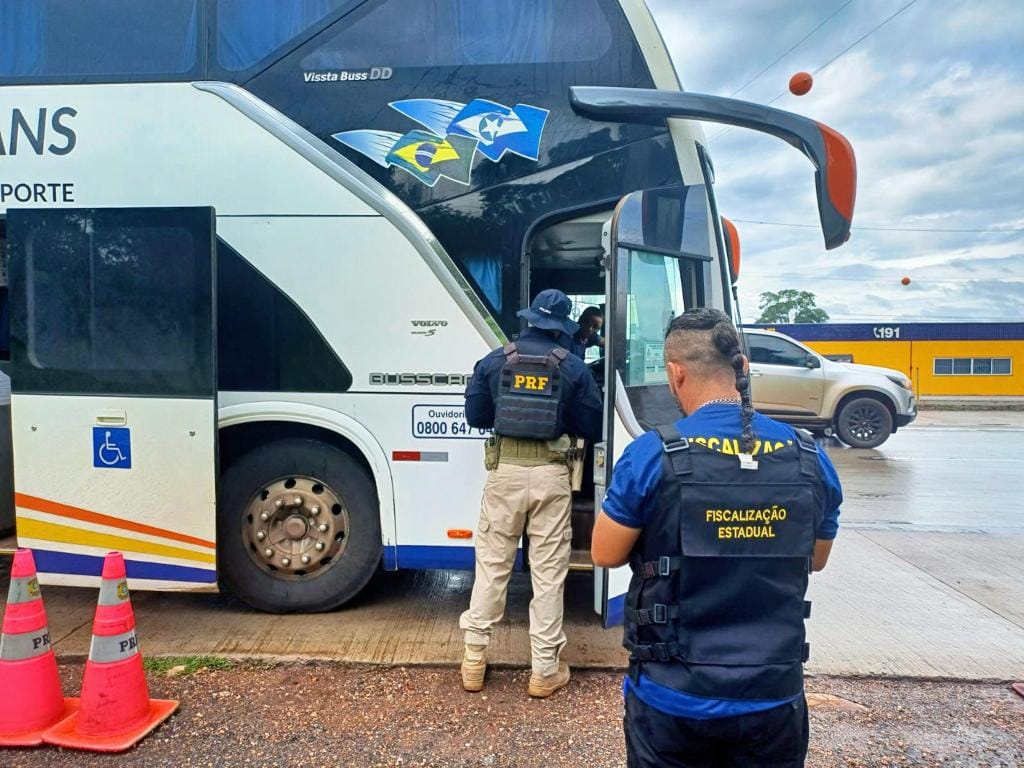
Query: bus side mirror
[
  {"x": 827, "y": 149},
  {"x": 732, "y": 248}
]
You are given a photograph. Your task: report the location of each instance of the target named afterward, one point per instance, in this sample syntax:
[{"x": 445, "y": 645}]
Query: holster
[
  {"x": 577, "y": 457},
  {"x": 491, "y": 453}
]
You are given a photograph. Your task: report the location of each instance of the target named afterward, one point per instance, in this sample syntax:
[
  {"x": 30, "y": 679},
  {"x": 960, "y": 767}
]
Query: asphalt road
[
  {"x": 925, "y": 581},
  {"x": 947, "y": 472}
]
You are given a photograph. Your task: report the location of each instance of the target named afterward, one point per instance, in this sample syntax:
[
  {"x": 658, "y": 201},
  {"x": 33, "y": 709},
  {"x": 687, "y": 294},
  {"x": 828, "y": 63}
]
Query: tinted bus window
[
  {"x": 460, "y": 107},
  {"x": 99, "y": 39},
  {"x": 5, "y": 308},
  {"x": 468, "y": 32},
  {"x": 112, "y": 301},
  {"x": 248, "y": 31},
  {"x": 264, "y": 342}
]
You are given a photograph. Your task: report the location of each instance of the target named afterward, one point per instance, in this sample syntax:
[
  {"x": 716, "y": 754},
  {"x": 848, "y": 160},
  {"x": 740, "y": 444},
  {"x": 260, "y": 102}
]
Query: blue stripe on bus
[
  {"x": 91, "y": 565},
  {"x": 435, "y": 557}
]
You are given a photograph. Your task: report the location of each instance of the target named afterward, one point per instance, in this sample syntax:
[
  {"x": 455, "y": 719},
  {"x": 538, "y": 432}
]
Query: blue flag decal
[
  {"x": 498, "y": 128},
  {"x": 454, "y": 133}
]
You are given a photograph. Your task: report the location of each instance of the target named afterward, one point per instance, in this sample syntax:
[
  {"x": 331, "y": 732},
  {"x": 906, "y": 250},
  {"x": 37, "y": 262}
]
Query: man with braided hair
[{"x": 721, "y": 516}]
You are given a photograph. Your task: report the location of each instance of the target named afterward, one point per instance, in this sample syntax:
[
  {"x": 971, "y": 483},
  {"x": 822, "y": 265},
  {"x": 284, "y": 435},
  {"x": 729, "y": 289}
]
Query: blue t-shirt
[{"x": 632, "y": 497}]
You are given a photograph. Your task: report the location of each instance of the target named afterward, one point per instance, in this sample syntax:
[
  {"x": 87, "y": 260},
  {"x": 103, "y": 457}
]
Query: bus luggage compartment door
[{"x": 114, "y": 405}]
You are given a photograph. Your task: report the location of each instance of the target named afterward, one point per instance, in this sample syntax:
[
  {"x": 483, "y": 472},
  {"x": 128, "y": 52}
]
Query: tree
[{"x": 790, "y": 306}]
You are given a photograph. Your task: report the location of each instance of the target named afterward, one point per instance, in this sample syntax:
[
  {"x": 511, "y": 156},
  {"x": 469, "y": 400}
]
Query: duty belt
[{"x": 533, "y": 453}]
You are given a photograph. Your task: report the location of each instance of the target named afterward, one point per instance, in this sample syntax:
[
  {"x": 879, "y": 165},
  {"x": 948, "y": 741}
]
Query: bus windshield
[{"x": 665, "y": 242}]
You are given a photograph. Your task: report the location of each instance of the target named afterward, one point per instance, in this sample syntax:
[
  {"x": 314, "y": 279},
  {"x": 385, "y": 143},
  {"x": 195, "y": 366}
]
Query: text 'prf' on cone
[
  {"x": 115, "y": 711},
  {"x": 31, "y": 700}
]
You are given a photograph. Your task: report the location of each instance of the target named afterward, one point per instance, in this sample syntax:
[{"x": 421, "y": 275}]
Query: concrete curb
[
  {"x": 307, "y": 660},
  {"x": 1009, "y": 404}
]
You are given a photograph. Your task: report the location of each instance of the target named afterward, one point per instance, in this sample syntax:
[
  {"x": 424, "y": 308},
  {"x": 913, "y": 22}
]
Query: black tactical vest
[
  {"x": 530, "y": 395},
  {"x": 716, "y": 604}
]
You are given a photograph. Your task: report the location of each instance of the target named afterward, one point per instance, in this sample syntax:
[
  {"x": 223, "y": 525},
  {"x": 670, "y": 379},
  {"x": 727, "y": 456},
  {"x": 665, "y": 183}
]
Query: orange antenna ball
[
  {"x": 800, "y": 83},
  {"x": 905, "y": 281}
]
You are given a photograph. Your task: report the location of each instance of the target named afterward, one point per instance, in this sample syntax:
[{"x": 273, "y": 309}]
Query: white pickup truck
[{"x": 861, "y": 404}]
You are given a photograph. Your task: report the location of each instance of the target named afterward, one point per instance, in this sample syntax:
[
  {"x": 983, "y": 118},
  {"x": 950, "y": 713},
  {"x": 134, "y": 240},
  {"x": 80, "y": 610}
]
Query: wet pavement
[
  {"x": 926, "y": 580},
  {"x": 948, "y": 471}
]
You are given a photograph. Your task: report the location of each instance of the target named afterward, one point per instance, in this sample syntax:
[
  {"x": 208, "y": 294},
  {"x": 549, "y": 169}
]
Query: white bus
[{"x": 255, "y": 247}]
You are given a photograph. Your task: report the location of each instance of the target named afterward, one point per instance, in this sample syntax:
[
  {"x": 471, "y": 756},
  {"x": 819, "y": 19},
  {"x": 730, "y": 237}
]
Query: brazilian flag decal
[
  {"x": 424, "y": 155},
  {"x": 428, "y": 157}
]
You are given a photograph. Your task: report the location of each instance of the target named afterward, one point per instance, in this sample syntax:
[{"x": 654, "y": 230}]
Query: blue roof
[{"x": 897, "y": 331}]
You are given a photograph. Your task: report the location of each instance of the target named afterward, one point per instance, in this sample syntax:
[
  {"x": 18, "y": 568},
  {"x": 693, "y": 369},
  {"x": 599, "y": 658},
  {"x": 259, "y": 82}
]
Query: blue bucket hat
[{"x": 550, "y": 311}]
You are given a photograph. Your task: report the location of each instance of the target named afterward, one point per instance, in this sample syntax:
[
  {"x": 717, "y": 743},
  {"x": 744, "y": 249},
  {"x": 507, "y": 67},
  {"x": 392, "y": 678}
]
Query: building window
[
  {"x": 1001, "y": 366},
  {"x": 972, "y": 366}
]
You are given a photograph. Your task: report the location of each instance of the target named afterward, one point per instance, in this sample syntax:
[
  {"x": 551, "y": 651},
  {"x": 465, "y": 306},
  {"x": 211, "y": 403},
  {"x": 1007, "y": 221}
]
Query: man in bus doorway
[
  {"x": 721, "y": 516},
  {"x": 538, "y": 398},
  {"x": 589, "y": 334}
]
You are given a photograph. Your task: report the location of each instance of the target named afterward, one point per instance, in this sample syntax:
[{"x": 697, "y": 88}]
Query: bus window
[
  {"x": 663, "y": 240},
  {"x": 106, "y": 301},
  {"x": 466, "y": 32},
  {"x": 248, "y": 31},
  {"x": 5, "y": 306},
  {"x": 264, "y": 342},
  {"x": 387, "y": 75},
  {"x": 72, "y": 41},
  {"x": 655, "y": 297}
]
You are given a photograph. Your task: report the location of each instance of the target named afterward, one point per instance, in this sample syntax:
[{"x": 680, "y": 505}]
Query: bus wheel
[{"x": 298, "y": 527}]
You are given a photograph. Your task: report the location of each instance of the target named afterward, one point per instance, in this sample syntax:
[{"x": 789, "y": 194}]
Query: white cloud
[{"x": 933, "y": 104}]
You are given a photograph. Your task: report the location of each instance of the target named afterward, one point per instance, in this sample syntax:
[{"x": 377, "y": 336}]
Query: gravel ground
[{"x": 330, "y": 714}]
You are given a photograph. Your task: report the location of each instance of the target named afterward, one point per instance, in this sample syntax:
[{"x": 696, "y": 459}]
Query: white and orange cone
[
  {"x": 116, "y": 711},
  {"x": 32, "y": 700}
]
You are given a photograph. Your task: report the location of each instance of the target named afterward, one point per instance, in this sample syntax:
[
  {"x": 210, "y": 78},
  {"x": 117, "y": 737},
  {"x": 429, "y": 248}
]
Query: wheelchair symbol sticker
[{"x": 111, "y": 447}]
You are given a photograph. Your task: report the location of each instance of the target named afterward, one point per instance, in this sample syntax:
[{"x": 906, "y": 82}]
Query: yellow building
[{"x": 949, "y": 359}]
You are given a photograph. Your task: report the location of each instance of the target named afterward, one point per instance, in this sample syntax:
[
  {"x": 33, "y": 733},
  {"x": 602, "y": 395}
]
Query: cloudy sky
[{"x": 933, "y": 103}]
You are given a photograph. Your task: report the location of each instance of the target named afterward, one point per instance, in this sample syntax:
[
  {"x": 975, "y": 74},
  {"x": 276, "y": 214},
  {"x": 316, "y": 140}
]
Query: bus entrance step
[{"x": 580, "y": 560}]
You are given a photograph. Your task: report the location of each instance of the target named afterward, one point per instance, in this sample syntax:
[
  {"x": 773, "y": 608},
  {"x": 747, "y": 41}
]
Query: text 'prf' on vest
[{"x": 530, "y": 395}]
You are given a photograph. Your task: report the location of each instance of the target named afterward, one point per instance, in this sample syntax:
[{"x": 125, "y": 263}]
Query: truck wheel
[
  {"x": 864, "y": 422},
  {"x": 298, "y": 527}
]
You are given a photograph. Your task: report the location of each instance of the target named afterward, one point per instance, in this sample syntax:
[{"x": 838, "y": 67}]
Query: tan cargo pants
[{"x": 539, "y": 501}]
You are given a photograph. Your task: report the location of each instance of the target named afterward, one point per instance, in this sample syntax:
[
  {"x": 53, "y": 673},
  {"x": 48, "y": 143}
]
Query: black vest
[
  {"x": 716, "y": 604},
  {"x": 530, "y": 395}
]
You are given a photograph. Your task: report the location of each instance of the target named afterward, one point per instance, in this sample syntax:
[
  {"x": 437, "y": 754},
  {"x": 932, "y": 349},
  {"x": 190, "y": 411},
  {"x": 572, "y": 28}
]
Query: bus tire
[
  {"x": 864, "y": 422},
  {"x": 264, "y": 536}
]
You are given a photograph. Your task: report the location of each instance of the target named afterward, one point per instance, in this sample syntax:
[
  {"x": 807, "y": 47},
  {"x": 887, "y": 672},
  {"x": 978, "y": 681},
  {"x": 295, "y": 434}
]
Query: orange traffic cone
[
  {"x": 31, "y": 700},
  {"x": 116, "y": 711}
]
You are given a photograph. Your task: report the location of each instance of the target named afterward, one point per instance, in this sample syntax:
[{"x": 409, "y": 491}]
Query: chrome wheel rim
[{"x": 295, "y": 527}]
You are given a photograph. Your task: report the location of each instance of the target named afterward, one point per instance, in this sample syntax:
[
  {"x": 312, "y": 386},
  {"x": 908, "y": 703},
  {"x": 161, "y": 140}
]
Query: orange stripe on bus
[{"x": 63, "y": 510}]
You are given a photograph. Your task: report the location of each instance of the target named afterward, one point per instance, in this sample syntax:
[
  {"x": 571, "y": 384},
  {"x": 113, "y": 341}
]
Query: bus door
[
  {"x": 659, "y": 264},
  {"x": 113, "y": 369}
]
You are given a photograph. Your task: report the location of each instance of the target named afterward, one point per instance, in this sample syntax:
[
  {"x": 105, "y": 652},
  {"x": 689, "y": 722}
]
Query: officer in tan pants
[{"x": 539, "y": 399}]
